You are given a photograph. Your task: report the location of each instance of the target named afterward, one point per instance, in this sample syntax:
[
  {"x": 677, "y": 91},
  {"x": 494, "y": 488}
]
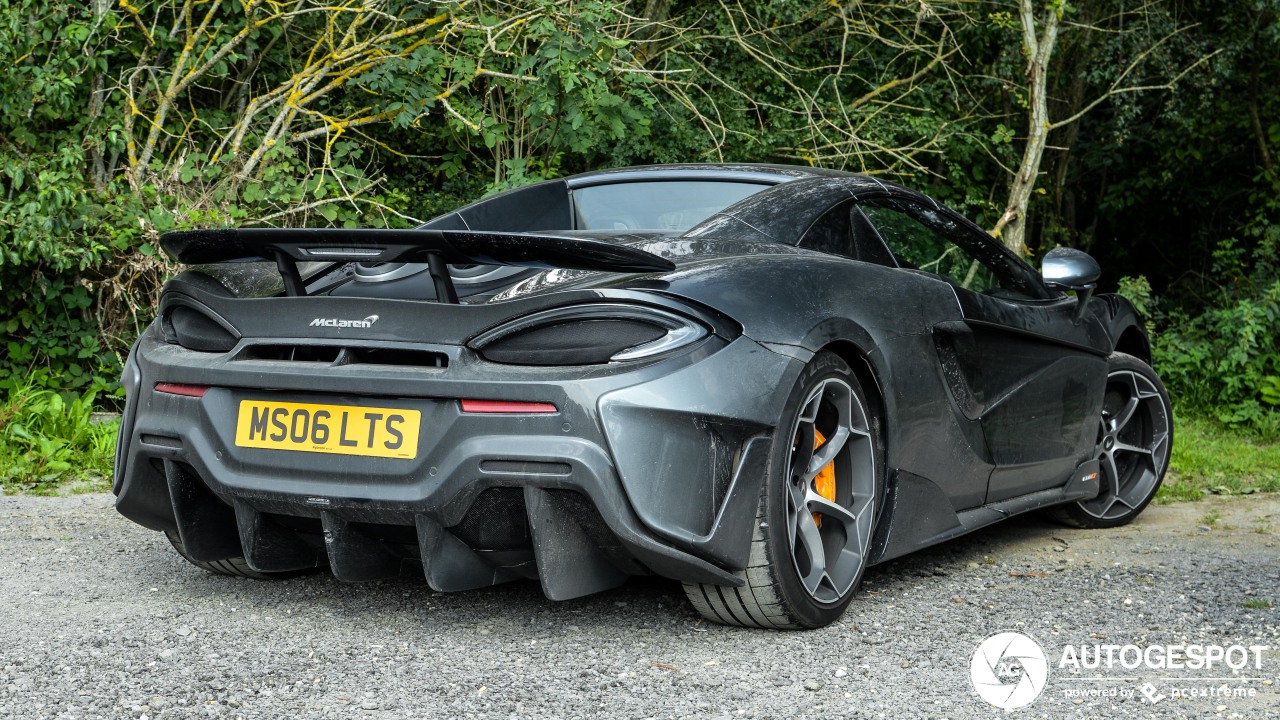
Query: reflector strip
[
  {"x": 180, "y": 389},
  {"x": 506, "y": 407}
]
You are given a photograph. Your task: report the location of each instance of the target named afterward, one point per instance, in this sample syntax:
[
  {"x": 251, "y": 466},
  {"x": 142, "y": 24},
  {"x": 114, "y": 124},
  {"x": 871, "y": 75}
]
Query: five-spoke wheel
[{"x": 831, "y": 491}]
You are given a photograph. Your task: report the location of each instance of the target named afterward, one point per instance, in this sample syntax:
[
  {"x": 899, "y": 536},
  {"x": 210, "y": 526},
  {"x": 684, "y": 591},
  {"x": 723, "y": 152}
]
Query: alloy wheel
[
  {"x": 1133, "y": 445},
  {"x": 829, "y": 523}
]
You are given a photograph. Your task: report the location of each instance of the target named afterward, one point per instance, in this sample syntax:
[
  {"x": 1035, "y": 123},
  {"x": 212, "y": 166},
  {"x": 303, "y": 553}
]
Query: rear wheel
[
  {"x": 235, "y": 567},
  {"x": 1135, "y": 437},
  {"x": 817, "y": 509}
]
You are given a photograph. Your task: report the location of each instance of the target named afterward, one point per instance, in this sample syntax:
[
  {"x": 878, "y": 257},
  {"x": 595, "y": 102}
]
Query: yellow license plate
[{"x": 337, "y": 429}]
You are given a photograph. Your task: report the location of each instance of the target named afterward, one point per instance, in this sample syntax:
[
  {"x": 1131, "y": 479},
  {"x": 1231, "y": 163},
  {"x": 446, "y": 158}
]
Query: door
[{"x": 1018, "y": 363}]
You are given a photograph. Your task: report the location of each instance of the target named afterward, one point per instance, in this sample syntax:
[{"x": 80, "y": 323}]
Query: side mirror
[{"x": 1070, "y": 269}]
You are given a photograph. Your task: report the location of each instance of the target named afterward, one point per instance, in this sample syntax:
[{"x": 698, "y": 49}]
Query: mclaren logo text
[{"x": 336, "y": 323}]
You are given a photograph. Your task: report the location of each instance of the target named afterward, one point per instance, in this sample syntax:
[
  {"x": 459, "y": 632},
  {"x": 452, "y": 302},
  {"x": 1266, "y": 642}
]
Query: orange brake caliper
[{"x": 825, "y": 483}]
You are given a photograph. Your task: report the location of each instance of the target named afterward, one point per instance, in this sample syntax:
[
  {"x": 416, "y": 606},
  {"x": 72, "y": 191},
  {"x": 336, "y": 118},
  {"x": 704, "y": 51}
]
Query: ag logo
[{"x": 1009, "y": 670}]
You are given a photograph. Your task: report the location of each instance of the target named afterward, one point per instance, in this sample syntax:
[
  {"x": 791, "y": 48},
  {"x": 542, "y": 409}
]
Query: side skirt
[{"x": 917, "y": 513}]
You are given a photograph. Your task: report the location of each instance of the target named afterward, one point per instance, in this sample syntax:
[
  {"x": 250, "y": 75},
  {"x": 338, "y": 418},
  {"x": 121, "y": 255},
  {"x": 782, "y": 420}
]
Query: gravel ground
[{"x": 100, "y": 619}]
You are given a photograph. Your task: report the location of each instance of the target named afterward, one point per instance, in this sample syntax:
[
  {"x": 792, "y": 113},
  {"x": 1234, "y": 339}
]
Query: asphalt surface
[{"x": 100, "y": 619}]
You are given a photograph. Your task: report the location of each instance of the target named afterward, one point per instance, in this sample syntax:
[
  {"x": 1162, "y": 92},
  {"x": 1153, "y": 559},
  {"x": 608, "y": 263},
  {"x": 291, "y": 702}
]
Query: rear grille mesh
[
  {"x": 496, "y": 520},
  {"x": 338, "y": 355},
  {"x": 291, "y": 353}
]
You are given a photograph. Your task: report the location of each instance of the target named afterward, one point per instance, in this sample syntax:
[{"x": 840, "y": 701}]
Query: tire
[
  {"x": 788, "y": 587},
  {"x": 1135, "y": 438},
  {"x": 235, "y": 567}
]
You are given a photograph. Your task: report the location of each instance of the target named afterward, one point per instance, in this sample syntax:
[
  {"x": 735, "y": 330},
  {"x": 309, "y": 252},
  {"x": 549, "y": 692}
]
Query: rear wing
[{"x": 437, "y": 248}]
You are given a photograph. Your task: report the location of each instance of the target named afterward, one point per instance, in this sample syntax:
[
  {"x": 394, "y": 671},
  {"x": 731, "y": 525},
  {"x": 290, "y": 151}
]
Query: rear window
[{"x": 655, "y": 205}]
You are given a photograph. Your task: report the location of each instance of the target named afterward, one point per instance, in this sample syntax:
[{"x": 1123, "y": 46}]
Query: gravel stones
[{"x": 101, "y": 619}]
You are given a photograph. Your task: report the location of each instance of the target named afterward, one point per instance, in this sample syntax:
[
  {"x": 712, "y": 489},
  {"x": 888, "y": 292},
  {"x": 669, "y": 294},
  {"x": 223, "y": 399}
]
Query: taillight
[
  {"x": 589, "y": 335},
  {"x": 195, "y": 330}
]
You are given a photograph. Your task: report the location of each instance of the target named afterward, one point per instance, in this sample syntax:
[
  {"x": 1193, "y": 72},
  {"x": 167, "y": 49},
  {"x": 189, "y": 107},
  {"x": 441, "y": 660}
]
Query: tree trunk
[
  {"x": 97, "y": 98},
  {"x": 1012, "y": 227}
]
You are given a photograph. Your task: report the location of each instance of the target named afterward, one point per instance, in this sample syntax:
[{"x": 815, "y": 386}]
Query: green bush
[
  {"x": 1224, "y": 360},
  {"x": 47, "y": 440}
]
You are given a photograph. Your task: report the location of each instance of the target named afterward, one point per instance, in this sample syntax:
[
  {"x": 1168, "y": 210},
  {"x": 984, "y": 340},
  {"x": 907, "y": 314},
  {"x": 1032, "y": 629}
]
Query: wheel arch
[
  {"x": 868, "y": 378},
  {"x": 1122, "y": 324},
  {"x": 863, "y": 370},
  {"x": 1133, "y": 341}
]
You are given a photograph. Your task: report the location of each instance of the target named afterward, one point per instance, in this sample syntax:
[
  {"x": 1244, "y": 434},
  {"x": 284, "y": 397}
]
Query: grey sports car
[{"x": 757, "y": 380}]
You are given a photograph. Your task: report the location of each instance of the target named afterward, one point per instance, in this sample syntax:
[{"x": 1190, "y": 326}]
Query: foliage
[
  {"x": 48, "y": 439},
  {"x": 1225, "y": 358},
  {"x": 1155, "y": 186},
  {"x": 192, "y": 121},
  {"x": 121, "y": 121},
  {"x": 1137, "y": 290}
]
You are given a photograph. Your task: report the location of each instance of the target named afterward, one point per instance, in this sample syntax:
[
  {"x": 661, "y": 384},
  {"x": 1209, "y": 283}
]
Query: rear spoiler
[{"x": 437, "y": 248}]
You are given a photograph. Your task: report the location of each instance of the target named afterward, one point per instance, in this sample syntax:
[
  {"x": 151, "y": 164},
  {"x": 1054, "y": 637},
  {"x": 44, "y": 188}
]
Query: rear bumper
[{"x": 654, "y": 468}]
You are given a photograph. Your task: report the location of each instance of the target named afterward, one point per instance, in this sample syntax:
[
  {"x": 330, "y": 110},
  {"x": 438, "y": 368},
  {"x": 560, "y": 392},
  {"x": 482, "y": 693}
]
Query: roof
[{"x": 744, "y": 172}]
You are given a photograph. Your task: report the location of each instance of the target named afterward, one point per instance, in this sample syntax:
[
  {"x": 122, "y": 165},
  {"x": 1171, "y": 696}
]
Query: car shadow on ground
[{"x": 642, "y": 601}]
